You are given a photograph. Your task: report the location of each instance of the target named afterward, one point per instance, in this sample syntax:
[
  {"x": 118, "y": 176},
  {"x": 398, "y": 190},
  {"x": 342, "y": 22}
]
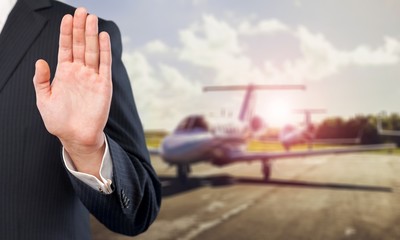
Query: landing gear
[
  {"x": 266, "y": 170},
  {"x": 182, "y": 171}
]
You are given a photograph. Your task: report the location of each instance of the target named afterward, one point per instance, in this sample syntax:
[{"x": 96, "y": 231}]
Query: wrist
[{"x": 87, "y": 158}]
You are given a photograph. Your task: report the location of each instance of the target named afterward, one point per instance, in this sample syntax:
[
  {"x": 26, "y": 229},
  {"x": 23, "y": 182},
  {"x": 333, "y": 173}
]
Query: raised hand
[{"x": 76, "y": 105}]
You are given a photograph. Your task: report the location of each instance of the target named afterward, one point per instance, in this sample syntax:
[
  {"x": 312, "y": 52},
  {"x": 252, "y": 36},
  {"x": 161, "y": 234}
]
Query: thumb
[{"x": 41, "y": 80}]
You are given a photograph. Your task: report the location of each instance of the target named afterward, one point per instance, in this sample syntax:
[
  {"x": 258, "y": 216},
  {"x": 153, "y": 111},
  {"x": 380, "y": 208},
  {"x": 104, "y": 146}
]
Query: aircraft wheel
[{"x": 266, "y": 169}]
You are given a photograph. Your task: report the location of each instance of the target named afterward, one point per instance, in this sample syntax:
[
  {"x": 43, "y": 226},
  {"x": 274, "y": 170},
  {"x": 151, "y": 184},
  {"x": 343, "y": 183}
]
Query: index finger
[
  {"x": 92, "y": 43},
  {"x": 65, "y": 42}
]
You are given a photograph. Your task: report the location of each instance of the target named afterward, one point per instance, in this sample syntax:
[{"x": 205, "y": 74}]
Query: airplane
[
  {"x": 197, "y": 140},
  {"x": 290, "y": 135}
]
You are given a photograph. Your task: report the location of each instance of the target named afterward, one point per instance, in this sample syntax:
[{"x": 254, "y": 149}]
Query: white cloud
[
  {"x": 145, "y": 87},
  {"x": 142, "y": 76},
  {"x": 263, "y": 27},
  {"x": 384, "y": 55},
  {"x": 162, "y": 92},
  {"x": 167, "y": 88},
  {"x": 209, "y": 42},
  {"x": 215, "y": 44},
  {"x": 320, "y": 58},
  {"x": 156, "y": 46},
  {"x": 175, "y": 82},
  {"x": 142, "y": 70}
]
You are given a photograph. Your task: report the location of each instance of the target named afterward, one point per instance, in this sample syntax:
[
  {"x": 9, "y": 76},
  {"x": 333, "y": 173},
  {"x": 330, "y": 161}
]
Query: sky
[{"x": 346, "y": 53}]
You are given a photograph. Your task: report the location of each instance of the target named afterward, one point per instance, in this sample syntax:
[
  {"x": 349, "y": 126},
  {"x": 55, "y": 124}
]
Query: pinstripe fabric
[{"x": 39, "y": 198}]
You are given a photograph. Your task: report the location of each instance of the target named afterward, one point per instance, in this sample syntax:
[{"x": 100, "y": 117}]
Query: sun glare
[{"x": 277, "y": 113}]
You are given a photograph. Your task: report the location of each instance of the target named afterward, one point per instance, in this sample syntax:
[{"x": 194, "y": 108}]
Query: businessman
[{"x": 71, "y": 141}]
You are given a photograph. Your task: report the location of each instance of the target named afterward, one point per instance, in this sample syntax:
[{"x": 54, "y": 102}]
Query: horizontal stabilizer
[
  {"x": 246, "y": 112},
  {"x": 253, "y": 87},
  {"x": 309, "y": 111}
]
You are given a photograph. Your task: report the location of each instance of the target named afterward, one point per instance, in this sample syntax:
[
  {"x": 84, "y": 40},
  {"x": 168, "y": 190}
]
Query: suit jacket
[{"x": 39, "y": 198}]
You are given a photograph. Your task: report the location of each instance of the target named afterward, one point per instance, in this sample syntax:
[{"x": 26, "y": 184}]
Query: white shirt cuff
[{"x": 106, "y": 172}]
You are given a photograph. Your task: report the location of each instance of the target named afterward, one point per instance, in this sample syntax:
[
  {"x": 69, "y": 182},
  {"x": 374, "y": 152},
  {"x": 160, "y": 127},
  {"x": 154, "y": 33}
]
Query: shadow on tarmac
[{"x": 172, "y": 186}]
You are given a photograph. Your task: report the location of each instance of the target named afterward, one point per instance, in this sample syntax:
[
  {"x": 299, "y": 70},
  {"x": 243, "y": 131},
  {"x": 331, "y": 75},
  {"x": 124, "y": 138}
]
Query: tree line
[{"x": 360, "y": 126}]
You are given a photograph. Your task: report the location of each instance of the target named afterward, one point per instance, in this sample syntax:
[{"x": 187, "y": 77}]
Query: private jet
[
  {"x": 290, "y": 135},
  {"x": 198, "y": 140}
]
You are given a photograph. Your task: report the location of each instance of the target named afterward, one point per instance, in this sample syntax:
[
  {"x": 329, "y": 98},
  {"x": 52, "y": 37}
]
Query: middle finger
[{"x": 78, "y": 38}]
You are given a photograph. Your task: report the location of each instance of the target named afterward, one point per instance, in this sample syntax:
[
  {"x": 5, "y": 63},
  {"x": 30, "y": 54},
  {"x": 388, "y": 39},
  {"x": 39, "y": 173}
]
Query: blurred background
[{"x": 347, "y": 53}]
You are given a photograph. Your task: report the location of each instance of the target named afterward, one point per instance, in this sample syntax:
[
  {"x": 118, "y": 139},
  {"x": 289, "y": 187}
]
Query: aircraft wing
[
  {"x": 249, "y": 156},
  {"x": 336, "y": 140},
  {"x": 320, "y": 140},
  {"x": 154, "y": 151}
]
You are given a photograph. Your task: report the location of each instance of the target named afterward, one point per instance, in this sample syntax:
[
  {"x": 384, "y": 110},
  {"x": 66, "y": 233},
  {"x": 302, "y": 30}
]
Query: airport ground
[{"x": 352, "y": 196}]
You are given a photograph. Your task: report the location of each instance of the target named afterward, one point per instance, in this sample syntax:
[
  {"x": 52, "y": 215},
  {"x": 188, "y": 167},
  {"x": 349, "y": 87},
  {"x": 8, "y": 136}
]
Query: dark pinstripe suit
[{"x": 39, "y": 199}]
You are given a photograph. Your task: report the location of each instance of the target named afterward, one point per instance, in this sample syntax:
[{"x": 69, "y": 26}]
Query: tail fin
[{"x": 307, "y": 115}]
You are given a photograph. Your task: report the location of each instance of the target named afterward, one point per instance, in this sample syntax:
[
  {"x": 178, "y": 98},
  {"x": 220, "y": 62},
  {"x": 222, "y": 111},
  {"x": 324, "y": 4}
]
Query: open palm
[{"x": 76, "y": 105}]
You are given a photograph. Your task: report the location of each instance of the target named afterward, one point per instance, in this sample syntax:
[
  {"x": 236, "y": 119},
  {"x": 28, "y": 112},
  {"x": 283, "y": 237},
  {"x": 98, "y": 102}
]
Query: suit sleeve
[{"x": 136, "y": 199}]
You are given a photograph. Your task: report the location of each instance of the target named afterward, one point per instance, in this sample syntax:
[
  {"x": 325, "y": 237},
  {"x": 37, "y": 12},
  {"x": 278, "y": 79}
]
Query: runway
[{"x": 352, "y": 196}]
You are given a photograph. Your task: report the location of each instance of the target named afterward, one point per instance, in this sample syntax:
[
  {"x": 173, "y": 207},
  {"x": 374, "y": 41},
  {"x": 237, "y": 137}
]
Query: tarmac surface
[{"x": 352, "y": 196}]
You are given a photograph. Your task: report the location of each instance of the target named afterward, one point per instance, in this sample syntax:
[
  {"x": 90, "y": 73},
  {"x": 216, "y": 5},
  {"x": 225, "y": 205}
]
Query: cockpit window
[
  {"x": 193, "y": 123},
  {"x": 183, "y": 125}
]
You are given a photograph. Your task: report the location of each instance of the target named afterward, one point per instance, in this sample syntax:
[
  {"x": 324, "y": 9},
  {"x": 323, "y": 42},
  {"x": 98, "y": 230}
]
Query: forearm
[{"x": 135, "y": 202}]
